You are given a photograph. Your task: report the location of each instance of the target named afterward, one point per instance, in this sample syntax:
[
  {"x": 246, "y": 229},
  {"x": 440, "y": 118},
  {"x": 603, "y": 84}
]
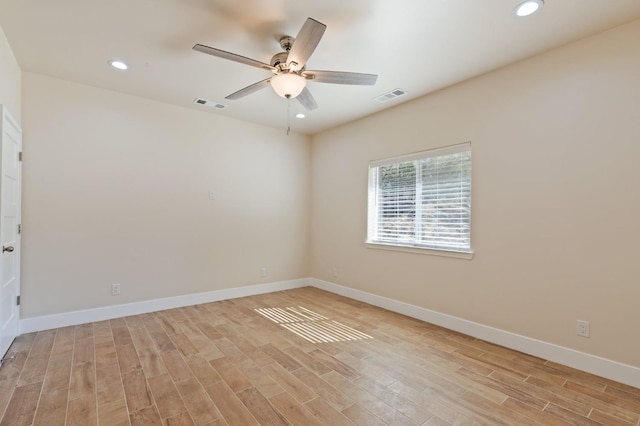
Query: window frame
[{"x": 372, "y": 205}]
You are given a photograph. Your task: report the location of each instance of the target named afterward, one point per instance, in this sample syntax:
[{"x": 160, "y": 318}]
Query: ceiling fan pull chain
[{"x": 288, "y": 115}]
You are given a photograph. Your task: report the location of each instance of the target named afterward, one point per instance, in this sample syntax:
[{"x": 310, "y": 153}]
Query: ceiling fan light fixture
[
  {"x": 527, "y": 8},
  {"x": 288, "y": 85}
]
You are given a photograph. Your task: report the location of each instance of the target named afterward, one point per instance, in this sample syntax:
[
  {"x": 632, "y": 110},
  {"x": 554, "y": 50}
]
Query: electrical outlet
[
  {"x": 115, "y": 289},
  {"x": 263, "y": 272},
  {"x": 583, "y": 328},
  {"x": 212, "y": 195},
  {"x": 334, "y": 272}
]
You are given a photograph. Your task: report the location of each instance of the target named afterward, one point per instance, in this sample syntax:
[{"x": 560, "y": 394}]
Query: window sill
[{"x": 419, "y": 250}]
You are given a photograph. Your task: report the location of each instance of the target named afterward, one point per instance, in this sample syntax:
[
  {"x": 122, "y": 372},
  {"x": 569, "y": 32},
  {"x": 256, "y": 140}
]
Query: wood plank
[
  {"x": 569, "y": 416},
  {"x": 34, "y": 369},
  {"x": 176, "y": 366},
  {"x": 64, "y": 340},
  {"x": 83, "y": 351},
  {"x": 166, "y": 396},
  {"x": 261, "y": 408},
  {"x": 290, "y": 383},
  {"x": 121, "y": 336},
  {"x": 162, "y": 341},
  {"x": 82, "y": 411},
  {"x": 541, "y": 417},
  {"x": 595, "y": 403},
  {"x": 230, "y": 374},
  {"x": 361, "y": 416},
  {"x": 105, "y": 354},
  {"x": 280, "y": 357},
  {"x": 113, "y": 414},
  {"x": 109, "y": 384},
  {"x": 491, "y": 412},
  {"x": 308, "y": 361},
  {"x": 22, "y": 406},
  {"x": 293, "y": 411},
  {"x": 183, "y": 344},
  {"x": 7, "y": 386},
  {"x": 43, "y": 343},
  {"x": 265, "y": 384},
  {"x": 512, "y": 391},
  {"x": 182, "y": 419},
  {"x": 134, "y": 322},
  {"x": 83, "y": 380},
  {"x": 606, "y": 397},
  {"x": 145, "y": 417},
  {"x": 127, "y": 358},
  {"x": 151, "y": 362},
  {"x": 52, "y": 407},
  {"x": 141, "y": 338},
  {"x": 413, "y": 411},
  {"x": 202, "y": 370},
  {"x": 209, "y": 330},
  {"x": 200, "y": 407},
  {"x": 328, "y": 393},
  {"x": 58, "y": 372},
  {"x": 327, "y": 414},
  {"x": 606, "y": 419},
  {"x": 544, "y": 394},
  {"x": 84, "y": 331},
  {"x": 366, "y": 400},
  {"x": 334, "y": 364},
  {"x": 232, "y": 409},
  {"x": 136, "y": 390}
]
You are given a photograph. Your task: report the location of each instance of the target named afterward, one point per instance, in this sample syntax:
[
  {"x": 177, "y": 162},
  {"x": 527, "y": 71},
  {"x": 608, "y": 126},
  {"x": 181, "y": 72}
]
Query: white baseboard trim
[
  {"x": 47, "y": 322},
  {"x": 613, "y": 370}
]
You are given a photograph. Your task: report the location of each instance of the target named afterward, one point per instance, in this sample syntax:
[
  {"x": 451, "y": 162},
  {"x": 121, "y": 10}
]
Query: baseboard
[
  {"x": 613, "y": 370},
  {"x": 65, "y": 319}
]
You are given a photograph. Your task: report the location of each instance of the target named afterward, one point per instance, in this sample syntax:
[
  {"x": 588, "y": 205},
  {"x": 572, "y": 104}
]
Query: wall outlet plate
[{"x": 583, "y": 328}]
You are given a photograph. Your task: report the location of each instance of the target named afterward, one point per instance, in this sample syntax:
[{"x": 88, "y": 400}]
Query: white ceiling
[{"x": 417, "y": 45}]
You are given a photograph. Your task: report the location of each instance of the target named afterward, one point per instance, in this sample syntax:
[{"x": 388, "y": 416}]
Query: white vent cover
[
  {"x": 207, "y": 103},
  {"x": 390, "y": 95}
]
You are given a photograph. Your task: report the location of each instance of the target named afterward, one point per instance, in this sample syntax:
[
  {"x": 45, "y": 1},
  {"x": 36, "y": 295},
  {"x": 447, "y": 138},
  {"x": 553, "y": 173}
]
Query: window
[{"x": 422, "y": 200}]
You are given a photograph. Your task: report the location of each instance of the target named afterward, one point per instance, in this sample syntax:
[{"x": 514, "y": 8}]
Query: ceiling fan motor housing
[{"x": 279, "y": 60}]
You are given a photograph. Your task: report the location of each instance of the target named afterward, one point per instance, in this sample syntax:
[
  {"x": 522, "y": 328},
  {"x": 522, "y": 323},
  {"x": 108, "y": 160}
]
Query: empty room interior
[{"x": 320, "y": 212}]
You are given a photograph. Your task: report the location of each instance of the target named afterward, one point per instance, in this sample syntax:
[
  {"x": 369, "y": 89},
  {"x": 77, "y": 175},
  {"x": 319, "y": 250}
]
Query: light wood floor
[{"x": 223, "y": 363}]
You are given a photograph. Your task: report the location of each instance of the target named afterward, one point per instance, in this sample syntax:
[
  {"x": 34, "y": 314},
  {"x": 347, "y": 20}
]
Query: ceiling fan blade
[
  {"x": 339, "y": 77},
  {"x": 306, "y": 42},
  {"x": 232, "y": 57},
  {"x": 249, "y": 89},
  {"x": 306, "y": 99}
]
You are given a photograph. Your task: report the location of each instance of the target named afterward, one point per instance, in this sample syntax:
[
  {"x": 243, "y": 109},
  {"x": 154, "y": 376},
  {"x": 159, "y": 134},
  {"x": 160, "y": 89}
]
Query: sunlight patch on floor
[{"x": 310, "y": 325}]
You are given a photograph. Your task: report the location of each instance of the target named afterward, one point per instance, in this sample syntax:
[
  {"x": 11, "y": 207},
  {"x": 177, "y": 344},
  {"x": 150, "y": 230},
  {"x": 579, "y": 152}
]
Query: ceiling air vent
[
  {"x": 207, "y": 103},
  {"x": 390, "y": 95}
]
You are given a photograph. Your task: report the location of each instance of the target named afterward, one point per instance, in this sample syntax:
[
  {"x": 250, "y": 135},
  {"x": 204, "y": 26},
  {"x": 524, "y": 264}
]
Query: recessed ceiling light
[
  {"x": 300, "y": 115},
  {"x": 527, "y": 8},
  {"x": 118, "y": 64}
]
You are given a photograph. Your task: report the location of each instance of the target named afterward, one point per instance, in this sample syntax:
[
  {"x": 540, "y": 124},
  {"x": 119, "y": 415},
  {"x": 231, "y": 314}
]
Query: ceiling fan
[{"x": 289, "y": 67}]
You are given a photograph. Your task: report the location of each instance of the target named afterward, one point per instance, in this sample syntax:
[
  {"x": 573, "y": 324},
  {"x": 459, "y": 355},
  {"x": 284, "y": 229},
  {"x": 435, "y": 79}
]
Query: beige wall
[
  {"x": 9, "y": 78},
  {"x": 116, "y": 190},
  {"x": 556, "y": 199}
]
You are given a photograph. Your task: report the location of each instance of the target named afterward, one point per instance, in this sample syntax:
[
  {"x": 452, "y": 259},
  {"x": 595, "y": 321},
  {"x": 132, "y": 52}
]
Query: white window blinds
[{"x": 422, "y": 200}]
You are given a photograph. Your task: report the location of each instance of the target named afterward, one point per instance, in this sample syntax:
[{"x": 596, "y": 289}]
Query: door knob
[{"x": 9, "y": 249}]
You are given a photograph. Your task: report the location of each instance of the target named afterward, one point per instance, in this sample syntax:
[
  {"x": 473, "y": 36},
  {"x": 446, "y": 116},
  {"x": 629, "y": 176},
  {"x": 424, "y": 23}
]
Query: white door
[{"x": 10, "y": 197}]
